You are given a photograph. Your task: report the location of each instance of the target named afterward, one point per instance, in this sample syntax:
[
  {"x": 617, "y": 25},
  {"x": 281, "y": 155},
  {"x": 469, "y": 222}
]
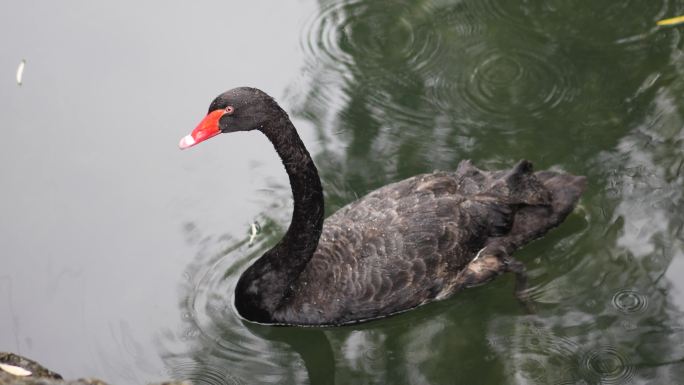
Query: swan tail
[
  {"x": 564, "y": 189},
  {"x": 521, "y": 187},
  {"x": 527, "y": 204},
  {"x": 534, "y": 218}
]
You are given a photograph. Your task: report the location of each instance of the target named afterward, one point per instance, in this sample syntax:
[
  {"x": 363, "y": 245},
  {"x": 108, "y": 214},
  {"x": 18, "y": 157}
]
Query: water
[{"x": 120, "y": 252}]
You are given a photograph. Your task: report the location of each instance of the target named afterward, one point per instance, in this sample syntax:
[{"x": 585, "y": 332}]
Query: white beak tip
[{"x": 186, "y": 141}]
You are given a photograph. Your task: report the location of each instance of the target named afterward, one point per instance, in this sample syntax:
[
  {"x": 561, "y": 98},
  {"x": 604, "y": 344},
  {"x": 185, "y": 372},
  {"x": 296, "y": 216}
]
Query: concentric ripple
[
  {"x": 535, "y": 351},
  {"x": 202, "y": 374},
  {"x": 385, "y": 55},
  {"x": 213, "y": 345},
  {"x": 517, "y": 81},
  {"x": 505, "y": 81},
  {"x": 377, "y": 55},
  {"x": 358, "y": 34},
  {"x": 606, "y": 365},
  {"x": 630, "y": 301}
]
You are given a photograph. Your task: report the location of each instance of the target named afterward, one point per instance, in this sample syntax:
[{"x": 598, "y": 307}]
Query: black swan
[{"x": 412, "y": 242}]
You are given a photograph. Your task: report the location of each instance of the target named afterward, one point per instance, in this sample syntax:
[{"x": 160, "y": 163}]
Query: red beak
[{"x": 208, "y": 128}]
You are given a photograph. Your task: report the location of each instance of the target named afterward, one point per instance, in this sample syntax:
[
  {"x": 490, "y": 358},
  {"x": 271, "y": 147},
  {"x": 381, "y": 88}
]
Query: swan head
[{"x": 239, "y": 109}]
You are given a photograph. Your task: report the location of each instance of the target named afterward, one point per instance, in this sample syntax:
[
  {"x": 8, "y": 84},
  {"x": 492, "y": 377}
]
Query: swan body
[{"x": 408, "y": 243}]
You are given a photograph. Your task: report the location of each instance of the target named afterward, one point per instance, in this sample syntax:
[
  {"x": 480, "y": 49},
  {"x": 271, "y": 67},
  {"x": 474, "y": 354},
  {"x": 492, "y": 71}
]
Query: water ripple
[
  {"x": 606, "y": 365},
  {"x": 536, "y": 346},
  {"x": 376, "y": 56},
  {"x": 203, "y": 374},
  {"x": 504, "y": 81},
  {"x": 212, "y": 333},
  {"x": 357, "y": 34},
  {"x": 324, "y": 32},
  {"x": 630, "y": 301},
  {"x": 613, "y": 23},
  {"x": 497, "y": 11},
  {"x": 516, "y": 81}
]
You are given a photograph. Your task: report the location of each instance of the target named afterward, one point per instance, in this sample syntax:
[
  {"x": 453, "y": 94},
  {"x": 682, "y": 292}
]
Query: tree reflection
[{"x": 406, "y": 87}]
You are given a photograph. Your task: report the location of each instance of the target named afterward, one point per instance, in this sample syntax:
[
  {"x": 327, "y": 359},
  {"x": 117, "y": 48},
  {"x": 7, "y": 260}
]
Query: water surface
[{"x": 120, "y": 252}]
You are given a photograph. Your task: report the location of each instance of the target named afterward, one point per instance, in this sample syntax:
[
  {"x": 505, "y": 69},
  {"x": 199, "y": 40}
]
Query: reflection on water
[
  {"x": 392, "y": 89},
  {"x": 215, "y": 346},
  {"x": 630, "y": 301},
  {"x": 399, "y": 88},
  {"x": 209, "y": 321}
]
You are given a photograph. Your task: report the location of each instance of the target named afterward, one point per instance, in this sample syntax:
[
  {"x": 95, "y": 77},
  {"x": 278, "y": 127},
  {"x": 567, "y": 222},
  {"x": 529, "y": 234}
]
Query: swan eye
[{"x": 229, "y": 110}]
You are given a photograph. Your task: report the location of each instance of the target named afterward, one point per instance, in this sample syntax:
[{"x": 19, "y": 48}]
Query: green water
[
  {"x": 383, "y": 90},
  {"x": 404, "y": 87}
]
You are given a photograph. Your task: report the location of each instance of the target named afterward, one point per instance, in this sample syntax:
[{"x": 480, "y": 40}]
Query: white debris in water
[
  {"x": 20, "y": 71},
  {"x": 15, "y": 370},
  {"x": 254, "y": 230}
]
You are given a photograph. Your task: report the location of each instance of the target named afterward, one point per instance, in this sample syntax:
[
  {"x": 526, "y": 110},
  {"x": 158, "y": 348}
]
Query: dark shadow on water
[{"x": 311, "y": 344}]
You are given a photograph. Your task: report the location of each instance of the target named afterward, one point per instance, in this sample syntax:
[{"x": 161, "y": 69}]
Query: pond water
[{"x": 120, "y": 253}]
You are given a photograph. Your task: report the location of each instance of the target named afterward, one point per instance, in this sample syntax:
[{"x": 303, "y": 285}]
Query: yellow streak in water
[{"x": 672, "y": 21}]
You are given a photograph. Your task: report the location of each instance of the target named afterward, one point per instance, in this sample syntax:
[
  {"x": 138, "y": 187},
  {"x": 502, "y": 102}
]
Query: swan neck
[
  {"x": 267, "y": 283},
  {"x": 302, "y": 236}
]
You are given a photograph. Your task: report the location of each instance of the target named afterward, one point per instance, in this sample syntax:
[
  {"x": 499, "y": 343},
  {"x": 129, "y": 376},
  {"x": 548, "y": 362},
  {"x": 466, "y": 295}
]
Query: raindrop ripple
[
  {"x": 630, "y": 301},
  {"x": 508, "y": 81},
  {"x": 606, "y": 365},
  {"x": 358, "y": 34}
]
